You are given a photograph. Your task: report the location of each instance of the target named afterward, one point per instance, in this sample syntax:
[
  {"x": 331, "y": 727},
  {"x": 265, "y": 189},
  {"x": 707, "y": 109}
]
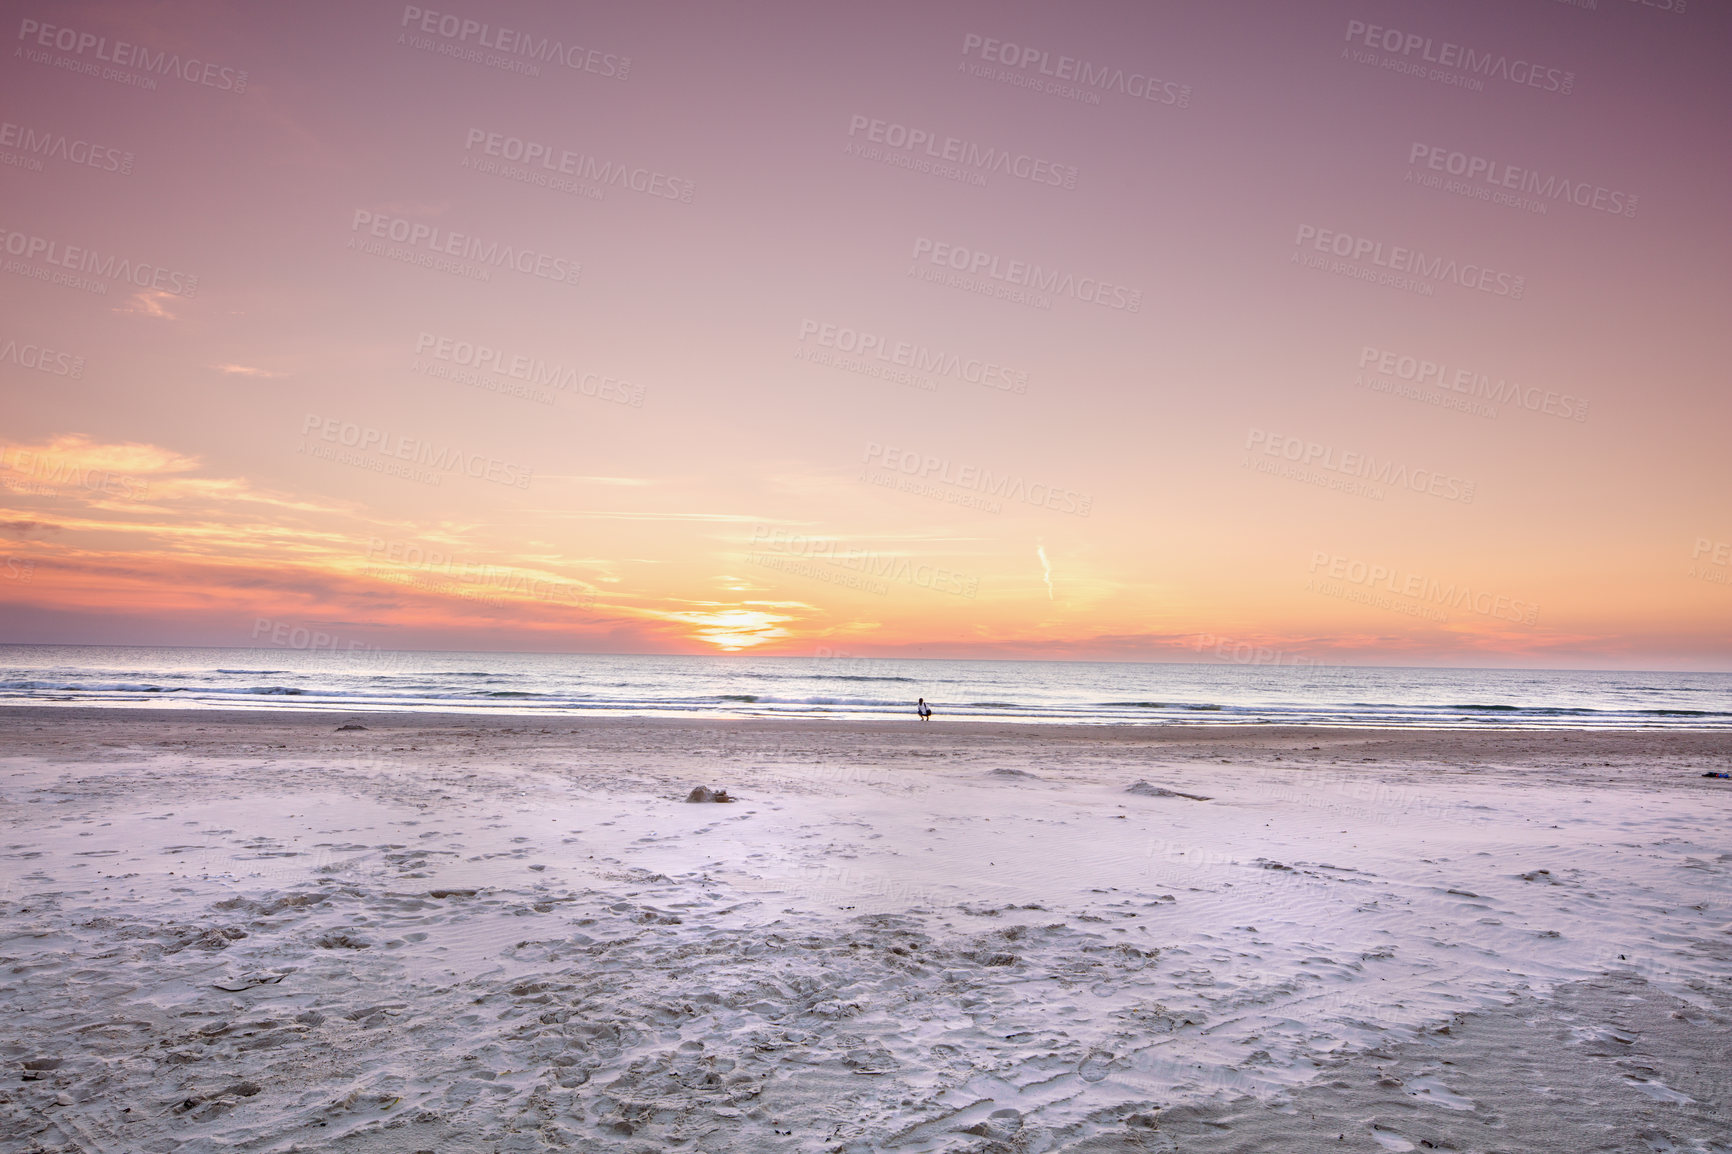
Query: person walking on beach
[{"x": 924, "y": 710}]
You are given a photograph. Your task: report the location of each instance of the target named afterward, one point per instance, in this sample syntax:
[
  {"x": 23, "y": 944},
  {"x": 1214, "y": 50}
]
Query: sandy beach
[{"x": 269, "y": 932}]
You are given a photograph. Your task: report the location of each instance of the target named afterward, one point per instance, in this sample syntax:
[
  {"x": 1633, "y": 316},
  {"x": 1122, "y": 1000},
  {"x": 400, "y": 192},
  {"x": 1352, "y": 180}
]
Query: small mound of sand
[
  {"x": 1013, "y": 773},
  {"x": 1144, "y": 789}
]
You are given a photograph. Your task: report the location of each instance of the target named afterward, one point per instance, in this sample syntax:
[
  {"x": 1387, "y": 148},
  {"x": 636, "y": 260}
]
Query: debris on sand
[
  {"x": 704, "y": 793},
  {"x": 346, "y": 728}
]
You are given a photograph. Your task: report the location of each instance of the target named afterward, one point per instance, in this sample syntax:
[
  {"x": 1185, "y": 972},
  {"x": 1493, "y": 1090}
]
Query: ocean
[{"x": 856, "y": 688}]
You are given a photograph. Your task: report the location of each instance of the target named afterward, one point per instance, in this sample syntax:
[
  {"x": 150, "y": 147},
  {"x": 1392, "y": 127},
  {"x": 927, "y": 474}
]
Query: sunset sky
[{"x": 1373, "y": 332}]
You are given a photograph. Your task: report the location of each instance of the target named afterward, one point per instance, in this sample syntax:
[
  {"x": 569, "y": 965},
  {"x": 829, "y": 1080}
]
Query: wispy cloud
[
  {"x": 151, "y": 528},
  {"x": 23, "y": 529},
  {"x": 248, "y": 371},
  {"x": 149, "y": 303},
  {"x": 624, "y": 515}
]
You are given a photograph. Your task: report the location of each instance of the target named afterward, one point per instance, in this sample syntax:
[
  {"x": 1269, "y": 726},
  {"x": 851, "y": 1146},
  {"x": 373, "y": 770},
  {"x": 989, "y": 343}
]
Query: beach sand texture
[{"x": 246, "y": 931}]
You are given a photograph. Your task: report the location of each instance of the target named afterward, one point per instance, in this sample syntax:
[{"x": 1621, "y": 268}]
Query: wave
[
  {"x": 1535, "y": 710},
  {"x": 818, "y": 700},
  {"x": 804, "y": 676},
  {"x": 82, "y": 687},
  {"x": 265, "y": 690},
  {"x": 852, "y": 677}
]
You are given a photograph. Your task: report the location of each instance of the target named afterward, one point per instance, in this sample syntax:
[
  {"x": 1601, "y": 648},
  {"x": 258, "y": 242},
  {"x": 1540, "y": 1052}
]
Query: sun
[{"x": 732, "y": 630}]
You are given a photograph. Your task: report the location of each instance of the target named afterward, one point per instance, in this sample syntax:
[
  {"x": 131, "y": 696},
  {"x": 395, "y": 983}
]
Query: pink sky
[{"x": 1370, "y": 332}]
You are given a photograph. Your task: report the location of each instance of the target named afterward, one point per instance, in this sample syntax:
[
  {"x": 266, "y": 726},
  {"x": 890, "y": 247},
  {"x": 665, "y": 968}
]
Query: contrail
[{"x": 1046, "y": 567}]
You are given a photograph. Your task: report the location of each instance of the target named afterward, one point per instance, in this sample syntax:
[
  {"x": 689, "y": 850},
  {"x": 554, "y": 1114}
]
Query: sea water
[{"x": 855, "y": 688}]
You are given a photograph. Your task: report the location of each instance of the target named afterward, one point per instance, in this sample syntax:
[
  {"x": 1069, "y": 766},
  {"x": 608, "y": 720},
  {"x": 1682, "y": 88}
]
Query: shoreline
[{"x": 1709, "y": 738}]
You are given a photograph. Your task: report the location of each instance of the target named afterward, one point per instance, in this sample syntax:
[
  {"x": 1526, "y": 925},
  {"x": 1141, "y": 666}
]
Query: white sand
[{"x": 252, "y": 932}]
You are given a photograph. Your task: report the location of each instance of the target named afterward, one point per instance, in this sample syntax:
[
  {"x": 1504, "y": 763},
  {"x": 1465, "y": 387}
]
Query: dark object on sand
[
  {"x": 351, "y": 725},
  {"x": 1144, "y": 789},
  {"x": 236, "y": 985},
  {"x": 1711, "y": 773},
  {"x": 704, "y": 793}
]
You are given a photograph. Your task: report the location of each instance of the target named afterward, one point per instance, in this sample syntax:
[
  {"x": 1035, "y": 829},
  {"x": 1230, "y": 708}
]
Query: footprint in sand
[
  {"x": 1389, "y": 1139},
  {"x": 1657, "y": 1090},
  {"x": 1429, "y": 1089}
]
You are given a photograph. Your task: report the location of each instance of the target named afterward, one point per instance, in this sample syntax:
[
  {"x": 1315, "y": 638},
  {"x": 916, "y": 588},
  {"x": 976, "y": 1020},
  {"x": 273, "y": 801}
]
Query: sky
[{"x": 1372, "y": 331}]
